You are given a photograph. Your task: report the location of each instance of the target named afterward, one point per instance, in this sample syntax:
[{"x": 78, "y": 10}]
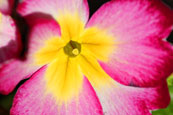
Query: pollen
[{"x": 75, "y": 51}]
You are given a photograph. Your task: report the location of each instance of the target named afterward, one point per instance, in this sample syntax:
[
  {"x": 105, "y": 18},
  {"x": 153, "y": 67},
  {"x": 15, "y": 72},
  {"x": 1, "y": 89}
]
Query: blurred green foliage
[
  {"x": 169, "y": 109},
  {"x": 170, "y": 80}
]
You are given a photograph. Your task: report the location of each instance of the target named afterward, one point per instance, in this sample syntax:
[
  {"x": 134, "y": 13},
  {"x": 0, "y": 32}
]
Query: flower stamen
[
  {"x": 72, "y": 49},
  {"x": 75, "y": 51}
]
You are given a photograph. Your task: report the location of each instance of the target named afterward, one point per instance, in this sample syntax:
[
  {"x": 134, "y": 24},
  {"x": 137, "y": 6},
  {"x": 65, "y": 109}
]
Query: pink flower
[{"x": 89, "y": 67}]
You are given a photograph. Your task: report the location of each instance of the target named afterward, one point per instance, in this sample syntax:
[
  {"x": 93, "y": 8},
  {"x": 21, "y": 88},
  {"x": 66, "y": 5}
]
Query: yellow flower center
[{"x": 74, "y": 55}]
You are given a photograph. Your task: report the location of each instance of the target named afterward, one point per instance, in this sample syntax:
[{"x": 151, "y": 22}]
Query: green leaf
[{"x": 170, "y": 80}]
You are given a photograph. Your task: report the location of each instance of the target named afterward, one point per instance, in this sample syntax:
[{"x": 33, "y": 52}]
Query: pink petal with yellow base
[
  {"x": 141, "y": 57},
  {"x": 140, "y": 63},
  {"x": 32, "y": 98},
  {"x": 119, "y": 99},
  {"x": 42, "y": 29}
]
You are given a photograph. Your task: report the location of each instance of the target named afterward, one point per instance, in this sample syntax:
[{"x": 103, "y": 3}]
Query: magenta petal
[
  {"x": 134, "y": 19},
  {"x": 125, "y": 100},
  {"x": 31, "y": 98},
  {"x": 141, "y": 57},
  {"x": 13, "y": 72},
  {"x": 54, "y": 7},
  {"x": 141, "y": 63},
  {"x": 156, "y": 97}
]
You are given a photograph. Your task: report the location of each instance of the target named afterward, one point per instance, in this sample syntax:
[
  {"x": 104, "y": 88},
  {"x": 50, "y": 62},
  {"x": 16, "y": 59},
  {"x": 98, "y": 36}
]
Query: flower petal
[
  {"x": 141, "y": 57},
  {"x": 6, "y": 6},
  {"x": 32, "y": 98},
  {"x": 131, "y": 100},
  {"x": 42, "y": 31},
  {"x": 118, "y": 99},
  {"x": 97, "y": 42},
  {"x": 10, "y": 44},
  {"x": 63, "y": 78},
  {"x": 55, "y": 7},
  {"x": 134, "y": 19},
  {"x": 13, "y": 72},
  {"x": 9, "y": 73},
  {"x": 140, "y": 63}
]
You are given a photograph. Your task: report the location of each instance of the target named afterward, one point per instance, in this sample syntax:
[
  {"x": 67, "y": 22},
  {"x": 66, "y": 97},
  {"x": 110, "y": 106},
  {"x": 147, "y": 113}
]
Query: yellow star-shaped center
[{"x": 73, "y": 55}]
